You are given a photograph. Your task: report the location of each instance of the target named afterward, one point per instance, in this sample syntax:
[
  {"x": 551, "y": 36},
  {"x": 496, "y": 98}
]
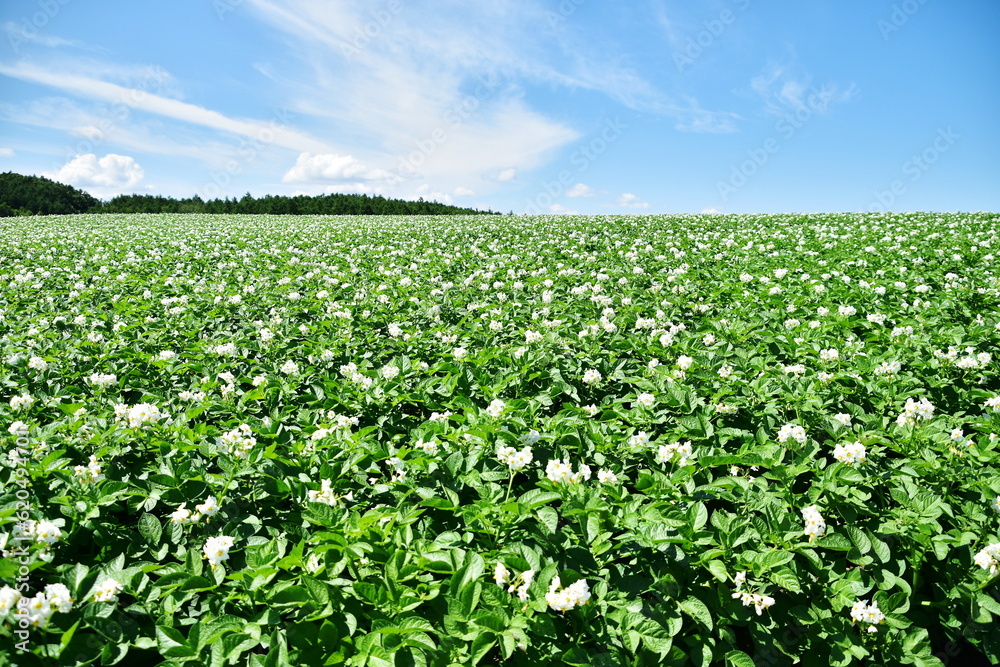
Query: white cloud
[
  {"x": 6, "y": 152},
  {"x": 331, "y": 167},
  {"x": 711, "y": 211},
  {"x": 464, "y": 192},
  {"x": 784, "y": 91},
  {"x": 580, "y": 190},
  {"x": 559, "y": 209},
  {"x": 274, "y": 132},
  {"x": 629, "y": 200},
  {"x": 110, "y": 174},
  {"x": 507, "y": 175}
]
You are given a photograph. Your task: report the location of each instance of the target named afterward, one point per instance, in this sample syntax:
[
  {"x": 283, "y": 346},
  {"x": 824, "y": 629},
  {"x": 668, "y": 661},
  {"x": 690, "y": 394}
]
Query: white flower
[
  {"x": 501, "y": 575},
  {"x": 37, "y": 363},
  {"x": 289, "y": 368},
  {"x": 829, "y": 355},
  {"x": 640, "y": 439},
  {"x": 22, "y": 401},
  {"x": 182, "y": 515},
  {"x": 681, "y": 451},
  {"x": 850, "y": 453},
  {"x": 18, "y": 428},
  {"x": 8, "y": 599},
  {"x": 989, "y": 559},
  {"x": 496, "y": 408},
  {"x": 531, "y": 437},
  {"x": 532, "y": 337},
  {"x": 89, "y": 473},
  {"x": 561, "y": 471},
  {"x": 792, "y": 432},
  {"x": 606, "y": 477},
  {"x": 142, "y": 414},
  {"x": 842, "y": 418},
  {"x": 915, "y": 411},
  {"x": 645, "y": 400},
  {"x": 515, "y": 459},
  {"x": 593, "y": 410},
  {"x": 815, "y": 525},
  {"x": 216, "y": 549},
  {"x": 869, "y": 614},
  {"x": 794, "y": 369},
  {"x": 725, "y": 372},
  {"x": 390, "y": 371},
  {"x": 459, "y": 353},
  {"x": 592, "y": 376},
  {"x": 564, "y": 599},
  {"x": 107, "y": 591},
  {"x": 59, "y": 597},
  {"x": 992, "y": 404},
  {"x": 210, "y": 507},
  {"x": 684, "y": 362},
  {"x": 325, "y": 495}
]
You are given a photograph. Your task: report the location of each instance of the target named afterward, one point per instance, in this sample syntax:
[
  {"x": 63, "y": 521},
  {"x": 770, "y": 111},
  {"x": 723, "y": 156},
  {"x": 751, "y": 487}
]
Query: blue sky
[{"x": 540, "y": 106}]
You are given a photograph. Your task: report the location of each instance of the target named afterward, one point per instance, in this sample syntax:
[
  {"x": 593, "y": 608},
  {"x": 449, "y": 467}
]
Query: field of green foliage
[{"x": 691, "y": 440}]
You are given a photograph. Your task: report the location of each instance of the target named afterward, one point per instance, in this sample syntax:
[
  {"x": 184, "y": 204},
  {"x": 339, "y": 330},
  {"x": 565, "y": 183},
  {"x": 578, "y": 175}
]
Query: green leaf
[
  {"x": 739, "y": 659},
  {"x": 697, "y": 610}
]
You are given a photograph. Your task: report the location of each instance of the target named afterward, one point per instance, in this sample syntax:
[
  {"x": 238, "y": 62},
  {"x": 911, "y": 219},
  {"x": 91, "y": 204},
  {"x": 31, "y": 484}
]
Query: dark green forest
[{"x": 37, "y": 195}]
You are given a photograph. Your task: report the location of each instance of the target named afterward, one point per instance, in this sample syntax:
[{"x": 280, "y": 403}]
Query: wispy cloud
[
  {"x": 139, "y": 99},
  {"x": 785, "y": 88}
]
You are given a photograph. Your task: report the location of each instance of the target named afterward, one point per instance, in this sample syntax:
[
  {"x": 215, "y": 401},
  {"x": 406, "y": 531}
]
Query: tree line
[{"x": 37, "y": 195}]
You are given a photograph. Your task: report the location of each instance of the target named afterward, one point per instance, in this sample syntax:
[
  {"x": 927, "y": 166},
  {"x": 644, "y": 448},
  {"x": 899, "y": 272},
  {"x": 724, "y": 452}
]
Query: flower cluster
[
  {"x": 42, "y": 532},
  {"x": 517, "y": 585},
  {"x": 139, "y": 415},
  {"x": 815, "y": 524},
  {"x": 592, "y": 376},
  {"x": 107, "y": 591},
  {"x": 183, "y": 516},
  {"x": 645, "y": 400},
  {"x": 792, "y": 432},
  {"x": 216, "y": 549},
  {"x": 38, "y": 610},
  {"x": 562, "y": 472},
  {"x": 989, "y": 559},
  {"x": 102, "y": 380},
  {"x": 496, "y": 408},
  {"x": 89, "y": 473},
  {"x": 679, "y": 451},
  {"x": 326, "y": 495},
  {"x": 238, "y": 442},
  {"x": 22, "y": 401},
  {"x": 850, "y": 453},
  {"x": 515, "y": 459},
  {"x": 915, "y": 411},
  {"x": 564, "y": 599},
  {"x": 867, "y": 614}
]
